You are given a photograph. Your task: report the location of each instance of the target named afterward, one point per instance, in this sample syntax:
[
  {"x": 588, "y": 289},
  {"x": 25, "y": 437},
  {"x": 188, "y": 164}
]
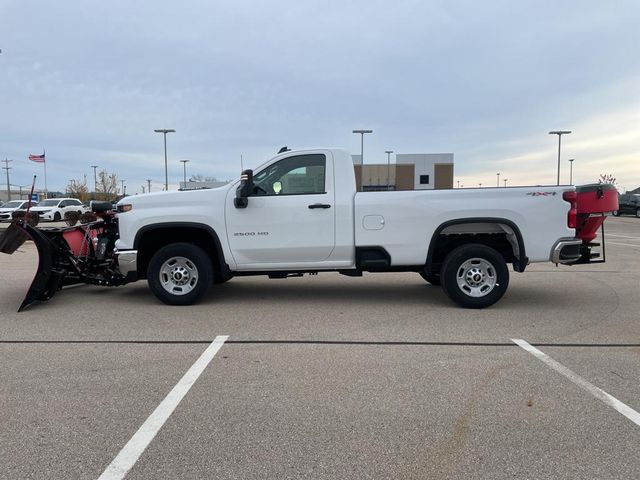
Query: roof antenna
[{"x": 284, "y": 149}]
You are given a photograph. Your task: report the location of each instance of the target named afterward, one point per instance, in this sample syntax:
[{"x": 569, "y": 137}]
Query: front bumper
[
  {"x": 127, "y": 262},
  {"x": 566, "y": 250}
]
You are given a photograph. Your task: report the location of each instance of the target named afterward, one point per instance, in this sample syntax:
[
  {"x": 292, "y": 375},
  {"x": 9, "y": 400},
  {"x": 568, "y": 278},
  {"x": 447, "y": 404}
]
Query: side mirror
[{"x": 244, "y": 190}]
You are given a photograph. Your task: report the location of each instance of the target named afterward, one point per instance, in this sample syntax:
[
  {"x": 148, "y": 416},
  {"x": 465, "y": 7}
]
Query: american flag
[{"x": 37, "y": 158}]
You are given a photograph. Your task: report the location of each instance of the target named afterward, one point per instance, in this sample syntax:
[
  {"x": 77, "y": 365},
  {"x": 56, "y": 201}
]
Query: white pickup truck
[{"x": 300, "y": 213}]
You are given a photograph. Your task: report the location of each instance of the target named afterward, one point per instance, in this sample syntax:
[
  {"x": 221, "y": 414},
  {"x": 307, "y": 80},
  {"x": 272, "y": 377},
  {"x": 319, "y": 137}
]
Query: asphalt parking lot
[{"x": 327, "y": 377}]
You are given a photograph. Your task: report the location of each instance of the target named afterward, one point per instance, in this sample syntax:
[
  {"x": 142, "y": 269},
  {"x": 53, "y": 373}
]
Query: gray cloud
[{"x": 90, "y": 81}]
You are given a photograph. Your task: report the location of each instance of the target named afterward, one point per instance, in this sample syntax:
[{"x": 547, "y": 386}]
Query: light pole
[
  {"x": 122, "y": 182},
  {"x": 388, "y": 152},
  {"x": 505, "y": 183},
  {"x": 480, "y": 185},
  {"x": 559, "y": 133},
  {"x": 95, "y": 180},
  {"x": 164, "y": 132},
  {"x": 498, "y": 182},
  {"x": 184, "y": 175},
  {"x": 7, "y": 168},
  {"x": 362, "y": 132},
  {"x": 571, "y": 171},
  {"x": 148, "y": 185}
]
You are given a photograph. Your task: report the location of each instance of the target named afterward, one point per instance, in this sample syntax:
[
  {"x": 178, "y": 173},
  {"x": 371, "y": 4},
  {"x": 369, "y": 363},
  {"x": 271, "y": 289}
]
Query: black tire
[
  {"x": 638, "y": 212},
  {"x": 433, "y": 279},
  {"x": 57, "y": 217},
  {"x": 485, "y": 269},
  {"x": 197, "y": 267}
]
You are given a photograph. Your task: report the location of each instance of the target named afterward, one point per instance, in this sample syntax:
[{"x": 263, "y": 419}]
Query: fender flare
[
  {"x": 195, "y": 225},
  {"x": 519, "y": 264}
]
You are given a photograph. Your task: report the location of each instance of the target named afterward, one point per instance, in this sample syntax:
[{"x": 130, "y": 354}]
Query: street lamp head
[
  {"x": 363, "y": 131},
  {"x": 164, "y": 130},
  {"x": 559, "y": 132},
  {"x": 571, "y": 159},
  {"x": 388, "y": 151},
  {"x": 184, "y": 161}
]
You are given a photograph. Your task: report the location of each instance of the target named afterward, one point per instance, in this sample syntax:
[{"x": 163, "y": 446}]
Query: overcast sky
[{"x": 90, "y": 80}]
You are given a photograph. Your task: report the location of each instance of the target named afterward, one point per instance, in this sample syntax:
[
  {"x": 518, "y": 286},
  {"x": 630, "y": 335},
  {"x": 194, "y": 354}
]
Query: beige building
[{"x": 419, "y": 171}]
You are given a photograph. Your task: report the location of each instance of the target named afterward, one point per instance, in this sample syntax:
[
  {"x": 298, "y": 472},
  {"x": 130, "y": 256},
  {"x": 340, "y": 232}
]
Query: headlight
[{"x": 125, "y": 207}]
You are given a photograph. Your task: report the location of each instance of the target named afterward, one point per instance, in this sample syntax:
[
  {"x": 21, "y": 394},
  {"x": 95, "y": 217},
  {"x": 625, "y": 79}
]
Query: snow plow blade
[
  {"x": 52, "y": 272},
  {"x": 83, "y": 253},
  {"x": 12, "y": 239}
]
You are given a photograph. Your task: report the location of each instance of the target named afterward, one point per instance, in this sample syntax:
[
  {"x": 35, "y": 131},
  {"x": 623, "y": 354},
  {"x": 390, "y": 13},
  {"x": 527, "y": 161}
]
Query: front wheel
[
  {"x": 474, "y": 276},
  {"x": 56, "y": 217},
  {"x": 180, "y": 274}
]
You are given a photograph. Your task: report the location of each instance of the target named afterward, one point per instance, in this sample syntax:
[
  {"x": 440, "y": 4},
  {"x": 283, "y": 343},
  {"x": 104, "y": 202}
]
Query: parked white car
[
  {"x": 8, "y": 208},
  {"x": 53, "y": 209}
]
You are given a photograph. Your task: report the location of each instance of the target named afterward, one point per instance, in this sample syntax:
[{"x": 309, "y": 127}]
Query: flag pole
[{"x": 46, "y": 194}]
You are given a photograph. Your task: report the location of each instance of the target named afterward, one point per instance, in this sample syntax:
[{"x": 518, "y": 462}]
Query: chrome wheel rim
[
  {"x": 476, "y": 277},
  {"x": 178, "y": 275}
]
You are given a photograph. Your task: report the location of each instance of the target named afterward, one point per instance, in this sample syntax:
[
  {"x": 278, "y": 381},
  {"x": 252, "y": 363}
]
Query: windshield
[
  {"x": 13, "y": 204},
  {"x": 49, "y": 203}
]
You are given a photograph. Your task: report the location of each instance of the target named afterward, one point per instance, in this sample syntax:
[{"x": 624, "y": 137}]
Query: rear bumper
[
  {"x": 127, "y": 262},
  {"x": 566, "y": 250}
]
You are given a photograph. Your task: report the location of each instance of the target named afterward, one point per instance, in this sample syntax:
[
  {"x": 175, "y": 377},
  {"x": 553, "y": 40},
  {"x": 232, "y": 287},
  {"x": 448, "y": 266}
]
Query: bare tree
[
  {"x": 107, "y": 188},
  {"x": 78, "y": 189},
  {"x": 202, "y": 178},
  {"x": 607, "y": 178}
]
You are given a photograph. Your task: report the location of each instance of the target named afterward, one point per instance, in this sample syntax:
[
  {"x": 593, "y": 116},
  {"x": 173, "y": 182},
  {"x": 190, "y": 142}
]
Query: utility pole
[
  {"x": 559, "y": 133},
  {"x": 7, "y": 168},
  {"x": 388, "y": 152},
  {"x": 148, "y": 185},
  {"x": 95, "y": 180}
]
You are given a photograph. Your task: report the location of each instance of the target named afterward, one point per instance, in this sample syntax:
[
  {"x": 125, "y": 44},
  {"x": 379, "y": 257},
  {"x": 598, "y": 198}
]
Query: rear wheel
[
  {"x": 474, "y": 276},
  {"x": 180, "y": 274},
  {"x": 433, "y": 279}
]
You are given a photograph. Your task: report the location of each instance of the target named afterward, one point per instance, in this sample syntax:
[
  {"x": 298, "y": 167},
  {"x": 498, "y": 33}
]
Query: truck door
[{"x": 290, "y": 217}]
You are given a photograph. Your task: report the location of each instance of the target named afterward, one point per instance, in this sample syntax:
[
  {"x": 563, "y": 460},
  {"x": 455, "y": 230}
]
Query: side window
[
  {"x": 299, "y": 175},
  {"x": 63, "y": 203}
]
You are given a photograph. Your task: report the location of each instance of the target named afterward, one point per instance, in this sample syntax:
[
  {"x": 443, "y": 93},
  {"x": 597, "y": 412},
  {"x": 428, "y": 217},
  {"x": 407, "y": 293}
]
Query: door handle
[{"x": 319, "y": 205}]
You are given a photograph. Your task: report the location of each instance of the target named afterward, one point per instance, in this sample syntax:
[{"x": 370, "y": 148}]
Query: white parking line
[
  {"x": 130, "y": 453},
  {"x": 600, "y": 394}
]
